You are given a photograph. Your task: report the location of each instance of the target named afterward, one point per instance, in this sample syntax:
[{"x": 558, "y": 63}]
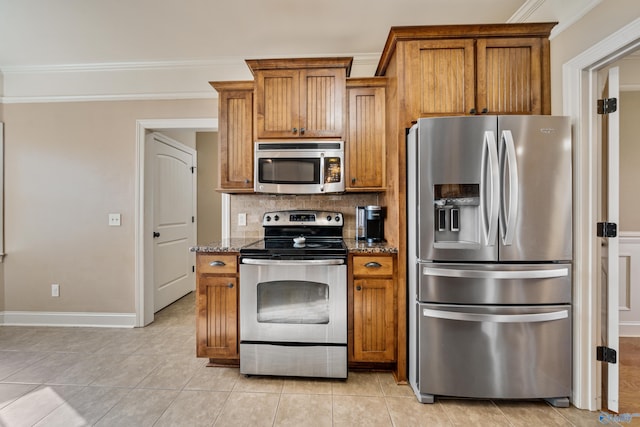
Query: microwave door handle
[
  {"x": 509, "y": 219},
  {"x": 321, "y": 171},
  {"x": 490, "y": 210}
]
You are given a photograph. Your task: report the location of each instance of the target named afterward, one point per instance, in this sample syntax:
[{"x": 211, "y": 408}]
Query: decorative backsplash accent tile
[{"x": 255, "y": 205}]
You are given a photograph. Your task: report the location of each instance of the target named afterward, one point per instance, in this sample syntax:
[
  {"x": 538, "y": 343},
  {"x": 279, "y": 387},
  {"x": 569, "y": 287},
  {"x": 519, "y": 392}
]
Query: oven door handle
[{"x": 255, "y": 261}]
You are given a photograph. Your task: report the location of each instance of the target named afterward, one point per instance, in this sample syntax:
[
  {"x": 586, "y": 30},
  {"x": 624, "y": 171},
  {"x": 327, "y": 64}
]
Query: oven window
[
  {"x": 289, "y": 170},
  {"x": 293, "y": 301}
]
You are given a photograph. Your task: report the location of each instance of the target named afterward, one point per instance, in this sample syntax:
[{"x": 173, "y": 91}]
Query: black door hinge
[
  {"x": 607, "y": 105},
  {"x": 606, "y": 354},
  {"x": 193, "y": 219},
  {"x": 193, "y": 268},
  {"x": 193, "y": 168},
  {"x": 607, "y": 229}
]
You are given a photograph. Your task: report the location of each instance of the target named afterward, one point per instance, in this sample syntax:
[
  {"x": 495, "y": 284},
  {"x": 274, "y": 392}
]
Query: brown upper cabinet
[
  {"x": 365, "y": 143},
  {"x": 471, "y": 69},
  {"x": 235, "y": 136},
  {"x": 300, "y": 98}
]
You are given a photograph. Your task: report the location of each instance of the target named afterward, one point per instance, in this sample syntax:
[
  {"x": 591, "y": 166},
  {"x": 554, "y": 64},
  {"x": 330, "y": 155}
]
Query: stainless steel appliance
[
  {"x": 299, "y": 167},
  {"x": 293, "y": 297},
  {"x": 489, "y": 203}
]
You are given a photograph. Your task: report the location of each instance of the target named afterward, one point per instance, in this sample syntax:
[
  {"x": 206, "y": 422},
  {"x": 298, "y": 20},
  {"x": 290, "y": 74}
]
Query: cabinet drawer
[
  {"x": 217, "y": 264},
  {"x": 373, "y": 265}
]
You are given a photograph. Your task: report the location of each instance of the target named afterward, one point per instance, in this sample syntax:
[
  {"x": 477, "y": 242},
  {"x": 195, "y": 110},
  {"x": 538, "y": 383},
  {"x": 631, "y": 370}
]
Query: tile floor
[{"x": 150, "y": 377}]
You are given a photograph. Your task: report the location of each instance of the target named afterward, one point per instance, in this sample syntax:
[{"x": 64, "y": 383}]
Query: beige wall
[
  {"x": 629, "y": 161},
  {"x": 603, "y": 20},
  {"x": 67, "y": 165},
  {"x": 209, "y": 200}
]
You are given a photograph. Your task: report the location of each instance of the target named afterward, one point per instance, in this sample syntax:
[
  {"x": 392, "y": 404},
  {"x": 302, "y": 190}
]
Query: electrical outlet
[
  {"x": 114, "y": 219},
  {"x": 55, "y": 290},
  {"x": 242, "y": 219}
]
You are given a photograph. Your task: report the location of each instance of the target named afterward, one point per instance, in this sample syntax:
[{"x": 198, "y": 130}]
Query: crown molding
[
  {"x": 128, "y": 81},
  {"x": 577, "y": 9}
]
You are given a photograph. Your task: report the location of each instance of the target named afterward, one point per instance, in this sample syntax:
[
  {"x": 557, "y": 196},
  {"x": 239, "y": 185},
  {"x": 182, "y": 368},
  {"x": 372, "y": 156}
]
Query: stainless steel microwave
[{"x": 299, "y": 167}]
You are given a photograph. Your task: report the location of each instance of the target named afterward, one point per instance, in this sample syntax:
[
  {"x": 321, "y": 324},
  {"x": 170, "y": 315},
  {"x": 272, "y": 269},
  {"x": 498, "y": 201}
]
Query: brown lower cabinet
[
  {"x": 217, "y": 308},
  {"x": 373, "y": 309}
]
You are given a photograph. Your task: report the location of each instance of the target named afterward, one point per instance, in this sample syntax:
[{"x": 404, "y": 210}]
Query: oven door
[{"x": 293, "y": 301}]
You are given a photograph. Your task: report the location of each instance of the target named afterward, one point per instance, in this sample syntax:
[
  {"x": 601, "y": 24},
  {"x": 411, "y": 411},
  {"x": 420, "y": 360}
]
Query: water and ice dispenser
[{"x": 456, "y": 215}]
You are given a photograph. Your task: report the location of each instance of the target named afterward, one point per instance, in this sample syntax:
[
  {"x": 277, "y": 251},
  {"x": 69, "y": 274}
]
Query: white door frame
[
  {"x": 141, "y": 270},
  {"x": 580, "y": 92}
]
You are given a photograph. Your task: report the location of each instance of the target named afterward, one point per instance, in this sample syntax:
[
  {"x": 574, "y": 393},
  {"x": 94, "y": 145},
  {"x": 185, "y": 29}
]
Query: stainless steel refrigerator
[{"x": 489, "y": 206}]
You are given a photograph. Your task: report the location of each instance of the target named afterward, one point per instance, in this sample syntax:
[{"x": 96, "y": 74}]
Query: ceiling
[{"x": 66, "y": 35}]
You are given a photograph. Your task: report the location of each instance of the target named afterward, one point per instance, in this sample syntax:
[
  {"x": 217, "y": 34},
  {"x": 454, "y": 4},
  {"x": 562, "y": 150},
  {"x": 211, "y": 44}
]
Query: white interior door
[
  {"x": 609, "y": 245},
  {"x": 174, "y": 184}
]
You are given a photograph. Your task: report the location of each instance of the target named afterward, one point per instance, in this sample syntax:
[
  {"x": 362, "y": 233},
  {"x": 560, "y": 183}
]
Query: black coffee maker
[{"x": 370, "y": 223}]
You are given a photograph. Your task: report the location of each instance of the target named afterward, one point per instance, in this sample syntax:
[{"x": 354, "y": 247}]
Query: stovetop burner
[{"x": 300, "y": 234}]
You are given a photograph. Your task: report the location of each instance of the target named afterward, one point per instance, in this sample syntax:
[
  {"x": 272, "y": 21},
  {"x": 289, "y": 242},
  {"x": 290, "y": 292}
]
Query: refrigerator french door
[{"x": 489, "y": 203}]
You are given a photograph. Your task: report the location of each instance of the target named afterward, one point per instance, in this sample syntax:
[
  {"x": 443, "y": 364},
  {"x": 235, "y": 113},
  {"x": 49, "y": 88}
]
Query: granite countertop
[
  {"x": 363, "y": 247},
  {"x": 235, "y": 244}
]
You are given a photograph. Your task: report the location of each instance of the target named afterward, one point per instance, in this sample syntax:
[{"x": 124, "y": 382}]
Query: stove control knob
[
  {"x": 337, "y": 218},
  {"x": 276, "y": 218},
  {"x": 328, "y": 217},
  {"x": 268, "y": 218}
]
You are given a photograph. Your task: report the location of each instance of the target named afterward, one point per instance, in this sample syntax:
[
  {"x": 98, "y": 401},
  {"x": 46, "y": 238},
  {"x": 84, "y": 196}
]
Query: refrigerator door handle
[
  {"x": 490, "y": 211},
  {"x": 496, "y": 318},
  {"x": 496, "y": 274},
  {"x": 508, "y": 157}
]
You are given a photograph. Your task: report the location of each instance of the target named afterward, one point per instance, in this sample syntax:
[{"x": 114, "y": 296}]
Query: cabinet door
[
  {"x": 322, "y": 102},
  {"x": 441, "y": 76},
  {"x": 366, "y": 140},
  {"x": 217, "y": 320},
  {"x": 374, "y": 320},
  {"x": 236, "y": 140},
  {"x": 509, "y": 75},
  {"x": 278, "y": 103}
]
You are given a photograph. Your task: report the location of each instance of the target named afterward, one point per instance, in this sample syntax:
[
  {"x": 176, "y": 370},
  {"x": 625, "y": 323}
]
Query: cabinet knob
[
  {"x": 246, "y": 180},
  {"x": 485, "y": 111},
  {"x": 472, "y": 111},
  {"x": 373, "y": 264},
  {"x": 358, "y": 288},
  {"x": 156, "y": 234},
  {"x": 294, "y": 130},
  {"x": 217, "y": 263},
  {"x": 302, "y": 131},
  {"x": 353, "y": 180},
  {"x": 230, "y": 285}
]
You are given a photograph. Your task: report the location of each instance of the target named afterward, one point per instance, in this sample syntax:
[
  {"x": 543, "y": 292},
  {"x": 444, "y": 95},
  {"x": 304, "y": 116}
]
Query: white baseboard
[
  {"x": 92, "y": 320},
  {"x": 629, "y": 329}
]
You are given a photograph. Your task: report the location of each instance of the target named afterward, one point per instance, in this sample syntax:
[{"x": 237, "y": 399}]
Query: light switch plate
[
  {"x": 114, "y": 219},
  {"x": 242, "y": 219}
]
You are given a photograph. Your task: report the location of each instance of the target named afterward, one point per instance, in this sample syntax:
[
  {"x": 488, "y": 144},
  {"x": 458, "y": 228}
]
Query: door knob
[{"x": 156, "y": 234}]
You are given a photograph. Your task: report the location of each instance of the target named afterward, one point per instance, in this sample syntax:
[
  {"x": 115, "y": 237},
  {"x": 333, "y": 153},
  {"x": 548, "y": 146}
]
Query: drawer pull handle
[
  {"x": 217, "y": 263},
  {"x": 373, "y": 264},
  {"x": 230, "y": 285},
  {"x": 358, "y": 288}
]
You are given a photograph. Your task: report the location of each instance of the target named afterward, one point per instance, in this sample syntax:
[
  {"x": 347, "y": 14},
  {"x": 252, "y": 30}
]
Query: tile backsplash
[{"x": 255, "y": 205}]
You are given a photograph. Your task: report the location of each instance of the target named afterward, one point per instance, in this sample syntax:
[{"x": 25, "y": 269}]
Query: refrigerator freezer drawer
[
  {"x": 495, "y": 352},
  {"x": 494, "y": 283}
]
